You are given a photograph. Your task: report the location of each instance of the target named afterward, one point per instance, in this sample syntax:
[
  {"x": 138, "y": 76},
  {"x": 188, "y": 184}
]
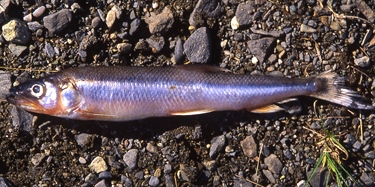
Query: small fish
[{"x": 132, "y": 93}]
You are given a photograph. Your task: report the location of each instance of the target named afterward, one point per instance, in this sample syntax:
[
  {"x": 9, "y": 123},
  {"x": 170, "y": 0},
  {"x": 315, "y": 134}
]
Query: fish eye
[{"x": 37, "y": 90}]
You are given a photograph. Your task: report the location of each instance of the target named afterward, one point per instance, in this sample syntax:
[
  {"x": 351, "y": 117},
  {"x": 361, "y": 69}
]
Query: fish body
[{"x": 131, "y": 93}]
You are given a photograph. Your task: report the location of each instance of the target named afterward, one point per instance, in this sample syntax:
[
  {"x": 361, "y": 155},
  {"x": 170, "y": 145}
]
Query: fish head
[{"x": 51, "y": 96}]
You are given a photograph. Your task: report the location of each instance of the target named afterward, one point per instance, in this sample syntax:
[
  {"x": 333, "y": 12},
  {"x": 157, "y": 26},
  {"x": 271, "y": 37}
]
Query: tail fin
[{"x": 332, "y": 88}]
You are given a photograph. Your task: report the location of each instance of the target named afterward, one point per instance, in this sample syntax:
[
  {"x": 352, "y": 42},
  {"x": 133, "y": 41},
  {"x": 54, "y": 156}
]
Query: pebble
[
  {"x": 243, "y": 13},
  {"x": 127, "y": 182},
  {"x": 198, "y": 46},
  {"x": 307, "y": 29},
  {"x": 187, "y": 173},
  {"x": 96, "y": 22},
  {"x": 234, "y": 23},
  {"x": 5, "y": 83},
  {"x": 102, "y": 183},
  {"x": 365, "y": 10},
  {"x": 160, "y": 23},
  {"x": 241, "y": 183},
  {"x": 156, "y": 43},
  {"x": 84, "y": 139},
  {"x": 131, "y": 158},
  {"x": 178, "y": 57},
  {"x": 273, "y": 163},
  {"x": 269, "y": 176},
  {"x": 217, "y": 145},
  {"x": 249, "y": 147},
  {"x": 28, "y": 17},
  {"x": 151, "y": 148},
  {"x": 204, "y": 9},
  {"x": 169, "y": 181},
  {"x": 167, "y": 168},
  {"x": 288, "y": 154},
  {"x": 34, "y": 26},
  {"x": 57, "y": 22},
  {"x": 17, "y": 50},
  {"x": 48, "y": 49},
  {"x": 134, "y": 26},
  {"x": 154, "y": 181},
  {"x": 105, "y": 175},
  {"x": 319, "y": 177},
  {"x": 16, "y": 31},
  {"x": 39, "y": 11},
  {"x": 82, "y": 160},
  {"x": 261, "y": 48},
  {"x": 91, "y": 178},
  {"x": 37, "y": 158},
  {"x": 356, "y": 146},
  {"x": 6, "y": 183},
  {"x": 113, "y": 15},
  {"x": 98, "y": 165},
  {"x": 367, "y": 178},
  {"x": 21, "y": 119},
  {"x": 362, "y": 62},
  {"x": 124, "y": 48}
]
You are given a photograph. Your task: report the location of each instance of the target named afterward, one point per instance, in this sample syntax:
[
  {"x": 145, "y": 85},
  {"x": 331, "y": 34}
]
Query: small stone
[
  {"x": 82, "y": 160},
  {"x": 367, "y": 178},
  {"x": 362, "y": 61},
  {"x": 319, "y": 177},
  {"x": 269, "y": 176},
  {"x": 16, "y": 31},
  {"x": 84, "y": 139},
  {"x": 34, "y": 26},
  {"x": 102, "y": 183},
  {"x": 98, "y": 165},
  {"x": 5, "y": 83},
  {"x": 217, "y": 145},
  {"x": 249, "y": 147},
  {"x": 243, "y": 13},
  {"x": 96, "y": 22},
  {"x": 187, "y": 173},
  {"x": 178, "y": 57},
  {"x": 198, "y": 46},
  {"x": 169, "y": 181},
  {"x": 48, "y": 49},
  {"x": 154, "y": 181},
  {"x": 21, "y": 119},
  {"x": 151, "y": 148},
  {"x": 203, "y": 10},
  {"x": 37, "y": 158},
  {"x": 134, "y": 26},
  {"x": 131, "y": 158},
  {"x": 273, "y": 163},
  {"x": 356, "y": 146},
  {"x": 39, "y": 11},
  {"x": 17, "y": 50},
  {"x": 113, "y": 15},
  {"x": 167, "y": 168},
  {"x": 124, "y": 48},
  {"x": 57, "y": 22},
  {"x": 91, "y": 178},
  {"x": 261, "y": 48},
  {"x": 307, "y": 29},
  {"x": 105, "y": 175},
  {"x": 160, "y": 23},
  {"x": 234, "y": 23},
  {"x": 127, "y": 182},
  {"x": 6, "y": 183},
  {"x": 156, "y": 43},
  {"x": 365, "y": 10},
  {"x": 28, "y": 17}
]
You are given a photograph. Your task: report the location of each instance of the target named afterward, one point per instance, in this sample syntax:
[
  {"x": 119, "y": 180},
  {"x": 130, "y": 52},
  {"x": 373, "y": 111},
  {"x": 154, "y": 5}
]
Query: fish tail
[{"x": 331, "y": 87}]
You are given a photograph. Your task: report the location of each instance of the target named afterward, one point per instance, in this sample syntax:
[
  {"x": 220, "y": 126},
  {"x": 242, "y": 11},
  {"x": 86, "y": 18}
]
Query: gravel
[{"x": 289, "y": 38}]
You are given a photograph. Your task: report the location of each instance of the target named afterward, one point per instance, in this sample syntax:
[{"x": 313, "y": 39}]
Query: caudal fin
[{"x": 332, "y": 88}]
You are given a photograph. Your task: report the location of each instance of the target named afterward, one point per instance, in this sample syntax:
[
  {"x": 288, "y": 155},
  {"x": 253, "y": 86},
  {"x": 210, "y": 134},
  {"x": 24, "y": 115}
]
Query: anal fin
[
  {"x": 188, "y": 113},
  {"x": 292, "y": 106}
]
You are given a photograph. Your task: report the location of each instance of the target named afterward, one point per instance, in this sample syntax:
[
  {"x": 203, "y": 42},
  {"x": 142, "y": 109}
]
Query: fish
[{"x": 126, "y": 93}]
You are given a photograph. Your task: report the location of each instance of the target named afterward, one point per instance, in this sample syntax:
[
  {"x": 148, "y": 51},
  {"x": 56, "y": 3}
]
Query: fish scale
[{"x": 131, "y": 93}]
